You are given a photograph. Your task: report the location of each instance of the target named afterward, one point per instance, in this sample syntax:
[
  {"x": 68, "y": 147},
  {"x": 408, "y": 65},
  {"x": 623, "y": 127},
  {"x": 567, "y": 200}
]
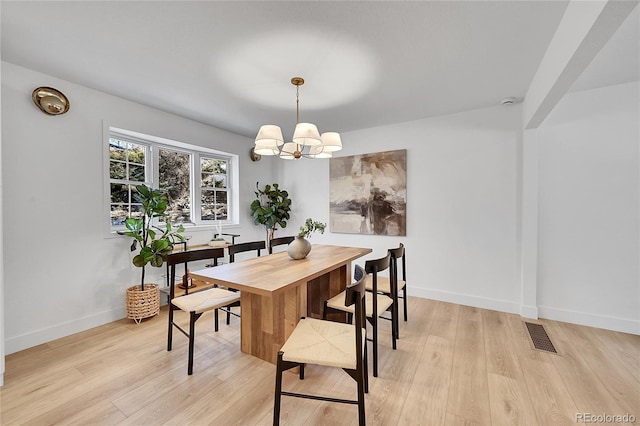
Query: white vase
[{"x": 299, "y": 248}]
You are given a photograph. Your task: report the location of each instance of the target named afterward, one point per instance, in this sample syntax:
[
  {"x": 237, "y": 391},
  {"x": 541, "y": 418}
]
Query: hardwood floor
[{"x": 454, "y": 365}]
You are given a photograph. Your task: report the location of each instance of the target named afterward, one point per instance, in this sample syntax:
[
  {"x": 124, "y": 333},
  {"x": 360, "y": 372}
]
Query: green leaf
[
  {"x": 139, "y": 261},
  {"x": 160, "y": 245},
  {"x": 157, "y": 261}
]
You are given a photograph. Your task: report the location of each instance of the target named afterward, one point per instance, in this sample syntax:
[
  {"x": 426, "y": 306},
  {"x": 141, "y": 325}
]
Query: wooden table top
[{"x": 271, "y": 274}]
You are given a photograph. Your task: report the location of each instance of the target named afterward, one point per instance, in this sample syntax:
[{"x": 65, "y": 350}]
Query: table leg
[{"x": 267, "y": 321}]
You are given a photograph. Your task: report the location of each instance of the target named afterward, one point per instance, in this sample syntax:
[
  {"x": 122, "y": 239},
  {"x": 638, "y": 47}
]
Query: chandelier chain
[{"x": 297, "y": 104}]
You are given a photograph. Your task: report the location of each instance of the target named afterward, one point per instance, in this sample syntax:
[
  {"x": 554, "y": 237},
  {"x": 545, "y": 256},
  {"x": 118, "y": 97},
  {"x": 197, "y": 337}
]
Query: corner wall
[
  {"x": 589, "y": 209},
  {"x": 464, "y": 194},
  {"x": 65, "y": 274}
]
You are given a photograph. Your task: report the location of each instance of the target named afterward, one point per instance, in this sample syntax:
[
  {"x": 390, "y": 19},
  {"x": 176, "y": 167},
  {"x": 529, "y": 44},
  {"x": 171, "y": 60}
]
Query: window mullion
[
  {"x": 153, "y": 173},
  {"x": 196, "y": 189}
]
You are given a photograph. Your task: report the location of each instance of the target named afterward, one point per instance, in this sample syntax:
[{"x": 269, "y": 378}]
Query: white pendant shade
[
  {"x": 265, "y": 150},
  {"x": 319, "y": 151},
  {"x": 269, "y": 136},
  {"x": 306, "y": 134},
  {"x": 288, "y": 151},
  {"x": 331, "y": 142},
  {"x": 306, "y": 141}
]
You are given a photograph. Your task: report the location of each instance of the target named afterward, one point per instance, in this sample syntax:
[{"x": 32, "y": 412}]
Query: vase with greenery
[
  {"x": 271, "y": 208},
  {"x": 154, "y": 243},
  {"x": 300, "y": 247}
]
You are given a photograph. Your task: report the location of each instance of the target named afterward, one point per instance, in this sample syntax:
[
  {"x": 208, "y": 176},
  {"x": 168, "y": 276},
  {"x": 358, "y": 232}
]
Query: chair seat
[
  {"x": 384, "y": 284},
  {"x": 206, "y": 300},
  {"x": 321, "y": 342},
  {"x": 384, "y": 301}
]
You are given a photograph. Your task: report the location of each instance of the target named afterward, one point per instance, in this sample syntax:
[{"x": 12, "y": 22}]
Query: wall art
[{"x": 368, "y": 193}]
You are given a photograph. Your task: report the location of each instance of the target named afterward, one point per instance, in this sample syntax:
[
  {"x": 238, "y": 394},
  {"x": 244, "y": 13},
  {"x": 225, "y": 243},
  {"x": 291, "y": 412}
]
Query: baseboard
[
  {"x": 591, "y": 320},
  {"x": 529, "y": 311},
  {"x": 44, "y": 335},
  {"x": 465, "y": 299}
]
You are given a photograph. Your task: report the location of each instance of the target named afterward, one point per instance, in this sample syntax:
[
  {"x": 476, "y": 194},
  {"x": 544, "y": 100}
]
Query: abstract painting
[{"x": 368, "y": 193}]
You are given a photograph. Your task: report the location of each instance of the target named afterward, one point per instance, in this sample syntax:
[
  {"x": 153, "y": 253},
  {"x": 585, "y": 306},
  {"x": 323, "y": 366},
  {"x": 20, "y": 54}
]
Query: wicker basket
[{"x": 143, "y": 304}]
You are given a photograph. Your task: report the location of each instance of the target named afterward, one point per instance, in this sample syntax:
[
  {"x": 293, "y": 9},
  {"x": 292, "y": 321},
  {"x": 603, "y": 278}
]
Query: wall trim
[
  {"x": 465, "y": 299},
  {"x": 44, "y": 335},
  {"x": 591, "y": 320},
  {"x": 529, "y": 311}
]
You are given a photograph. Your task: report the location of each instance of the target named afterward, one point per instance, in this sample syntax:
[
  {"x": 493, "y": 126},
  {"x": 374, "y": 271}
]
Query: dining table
[{"x": 276, "y": 291}]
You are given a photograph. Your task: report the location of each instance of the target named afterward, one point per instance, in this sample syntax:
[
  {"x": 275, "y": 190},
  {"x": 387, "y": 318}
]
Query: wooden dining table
[{"x": 276, "y": 291}]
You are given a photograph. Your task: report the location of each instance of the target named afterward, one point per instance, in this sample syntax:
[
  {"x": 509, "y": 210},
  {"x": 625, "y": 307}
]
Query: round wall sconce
[
  {"x": 50, "y": 101},
  {"x": 254, "y": 156}
]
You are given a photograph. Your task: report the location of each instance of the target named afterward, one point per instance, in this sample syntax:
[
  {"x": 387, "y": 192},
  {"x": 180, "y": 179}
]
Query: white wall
[
  {"x": 1, "y": 264},
  {"x": 62, "y": 274},
  {"x": 462, "y": 205},
  {"x": 462, "y": 221},
  {"x": 589, "y": 209}
]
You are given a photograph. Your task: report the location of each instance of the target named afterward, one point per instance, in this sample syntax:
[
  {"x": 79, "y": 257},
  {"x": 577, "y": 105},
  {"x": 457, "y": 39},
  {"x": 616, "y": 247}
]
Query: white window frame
[{"x": 154, "y": 144}]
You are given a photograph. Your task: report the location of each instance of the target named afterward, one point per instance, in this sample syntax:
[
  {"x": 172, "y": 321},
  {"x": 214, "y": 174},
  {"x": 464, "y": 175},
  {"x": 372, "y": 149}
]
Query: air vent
[{"x": 540, "y": 338}]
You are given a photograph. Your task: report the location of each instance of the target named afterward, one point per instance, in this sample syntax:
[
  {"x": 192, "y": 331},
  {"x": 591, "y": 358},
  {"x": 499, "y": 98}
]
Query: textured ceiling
[{"x": 229, "y": 64}]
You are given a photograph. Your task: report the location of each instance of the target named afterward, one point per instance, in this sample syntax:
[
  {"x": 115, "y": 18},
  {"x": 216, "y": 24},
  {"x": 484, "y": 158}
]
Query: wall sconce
[
  {"x": 254, "y": 155},
  {"x": 50, "y": 101}
]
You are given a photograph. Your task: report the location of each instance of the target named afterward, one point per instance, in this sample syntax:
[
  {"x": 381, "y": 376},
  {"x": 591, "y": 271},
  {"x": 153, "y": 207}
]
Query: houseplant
[
  {"x": 217, "y": 240},
  {"x": 271, "y": 208},
  {"x": 300, "y": 247},
  {"x": 154, "y": 245}
]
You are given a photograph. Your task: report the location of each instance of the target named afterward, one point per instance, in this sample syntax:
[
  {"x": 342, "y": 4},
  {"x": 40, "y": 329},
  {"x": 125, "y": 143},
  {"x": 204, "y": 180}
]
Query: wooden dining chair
[
  {"x": 385, "y": 283},
  {"x": 330, "y": 344},
  {"x": 234, "y": 249},
  {"x": 279, "y": 242},
  {"x": 195, "y": 301},
  {"x": 376, "y": 305}
]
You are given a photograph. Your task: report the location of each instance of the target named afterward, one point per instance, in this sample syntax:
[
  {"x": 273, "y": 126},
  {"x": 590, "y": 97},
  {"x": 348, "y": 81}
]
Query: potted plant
[
  {"x": 217, "y": 240},
  {"x": 271, "y": 208},
  {"x": 300, "y": 247},
  {"x": 154, "y": 245}
]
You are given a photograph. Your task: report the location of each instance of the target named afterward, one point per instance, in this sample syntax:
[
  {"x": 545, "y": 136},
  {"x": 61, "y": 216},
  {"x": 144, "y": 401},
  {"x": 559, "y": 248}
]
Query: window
[
  {"x": 174, "y": 176},
  {"x": 199, "y": 181},
  {"x": 213, "y": 204},
  {"x": 127, "y": 168}
]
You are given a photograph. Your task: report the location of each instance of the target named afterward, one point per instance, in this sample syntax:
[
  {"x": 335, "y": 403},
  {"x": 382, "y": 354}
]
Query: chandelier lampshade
[
  {"x": 269, "y": 136},
  {"x": 306, "y": 134},
  {"x": 306, "y": 142},
  {"x": 331, "y": 141}
]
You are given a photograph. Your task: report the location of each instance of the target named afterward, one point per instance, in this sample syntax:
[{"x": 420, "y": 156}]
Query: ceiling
[{"x": 366, "y": 64}]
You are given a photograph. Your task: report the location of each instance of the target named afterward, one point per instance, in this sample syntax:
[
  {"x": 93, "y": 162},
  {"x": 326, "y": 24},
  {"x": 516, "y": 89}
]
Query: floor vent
[{"x": 540, "y": 338}]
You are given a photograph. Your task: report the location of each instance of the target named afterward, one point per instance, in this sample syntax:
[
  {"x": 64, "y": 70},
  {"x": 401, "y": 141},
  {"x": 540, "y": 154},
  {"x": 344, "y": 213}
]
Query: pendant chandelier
[{"x": 307, "y": 141}]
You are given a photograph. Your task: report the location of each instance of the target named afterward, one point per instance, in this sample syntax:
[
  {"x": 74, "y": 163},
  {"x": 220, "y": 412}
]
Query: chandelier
[{"x": 307, "y": 141}]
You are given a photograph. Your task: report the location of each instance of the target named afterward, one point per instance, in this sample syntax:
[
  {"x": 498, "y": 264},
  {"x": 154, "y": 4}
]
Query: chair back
[
  {"x": 354, "y": 295},
  {"x": 373, "y": 267},
  {"x": 243, "y": 247},
  {"x": 377, "y": 265},
  {"x": 184, "y": 257},
  {"x": 396, "y": 253},
  {"x": 399, "y": 254},
  {"x": 279, "y": 242}
]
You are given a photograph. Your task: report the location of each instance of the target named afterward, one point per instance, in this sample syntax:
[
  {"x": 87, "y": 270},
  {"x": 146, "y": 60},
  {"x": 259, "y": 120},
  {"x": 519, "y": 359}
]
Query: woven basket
[{"x": 143, "y": 304}]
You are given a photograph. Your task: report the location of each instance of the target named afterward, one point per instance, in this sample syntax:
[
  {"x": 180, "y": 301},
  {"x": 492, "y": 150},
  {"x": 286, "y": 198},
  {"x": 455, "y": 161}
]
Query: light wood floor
[{"x": 454, "y": 365}]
